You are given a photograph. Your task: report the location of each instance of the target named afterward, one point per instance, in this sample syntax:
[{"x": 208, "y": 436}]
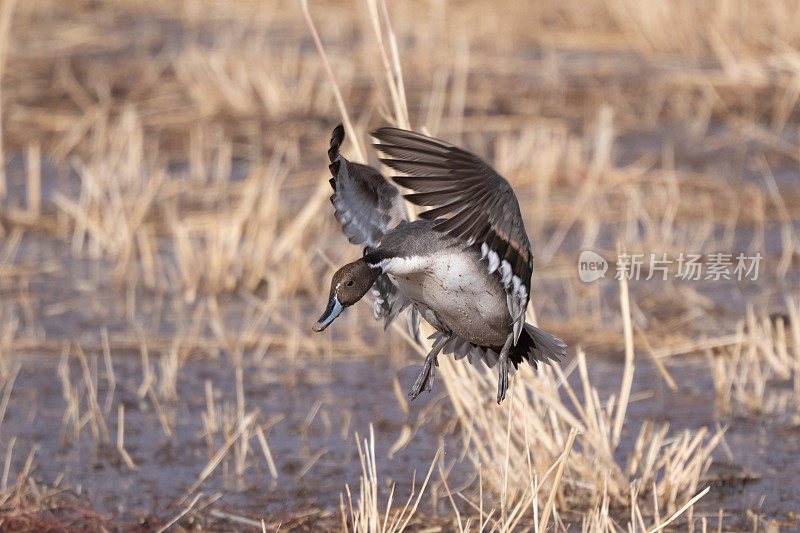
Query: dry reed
[{"x": 185, "y": 163}]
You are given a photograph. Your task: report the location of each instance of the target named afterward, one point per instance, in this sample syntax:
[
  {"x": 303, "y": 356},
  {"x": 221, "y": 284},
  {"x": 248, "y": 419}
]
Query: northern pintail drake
[{"x": 465, "y": 266}]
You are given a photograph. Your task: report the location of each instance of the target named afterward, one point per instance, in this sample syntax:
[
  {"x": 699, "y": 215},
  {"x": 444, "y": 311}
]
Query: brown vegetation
[{"x": 164, "y": 202}]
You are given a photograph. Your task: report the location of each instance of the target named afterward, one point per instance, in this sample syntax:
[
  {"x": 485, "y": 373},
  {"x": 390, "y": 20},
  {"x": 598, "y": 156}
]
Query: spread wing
[
  {"x": 367, "y": 206},
  {"x": 480, "y": 206}
]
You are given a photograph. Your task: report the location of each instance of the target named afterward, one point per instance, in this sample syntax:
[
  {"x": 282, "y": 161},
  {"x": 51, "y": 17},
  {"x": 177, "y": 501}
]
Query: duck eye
[{"x": 349, "y": 283}]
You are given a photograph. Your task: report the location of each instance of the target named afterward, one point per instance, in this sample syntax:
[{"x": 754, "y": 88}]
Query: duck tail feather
[{"x": 536, "y": 346}]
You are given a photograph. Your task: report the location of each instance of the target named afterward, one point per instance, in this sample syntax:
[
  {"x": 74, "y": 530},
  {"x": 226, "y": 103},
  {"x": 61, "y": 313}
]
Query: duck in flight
[{"x": 465, "y": 266}]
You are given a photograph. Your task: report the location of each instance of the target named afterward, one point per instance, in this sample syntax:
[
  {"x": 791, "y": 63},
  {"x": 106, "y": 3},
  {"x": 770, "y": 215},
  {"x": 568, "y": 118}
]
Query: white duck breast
[{"x": 452, "y": 288}]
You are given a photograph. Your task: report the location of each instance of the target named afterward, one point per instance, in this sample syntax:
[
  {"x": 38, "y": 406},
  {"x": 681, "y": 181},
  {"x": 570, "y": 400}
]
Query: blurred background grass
[{"x": 164, "y": 212}]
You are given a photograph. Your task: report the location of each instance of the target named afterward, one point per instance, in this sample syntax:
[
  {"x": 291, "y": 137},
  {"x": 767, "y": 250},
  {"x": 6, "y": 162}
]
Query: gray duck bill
[{"x": 331, "y": 312}]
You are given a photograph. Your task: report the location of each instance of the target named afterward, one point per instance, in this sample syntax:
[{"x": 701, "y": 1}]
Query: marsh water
[
  {"x": 311, "y": 406},
  {"x": 318, "y": 407},
  {"x": 311, "y": 402}
]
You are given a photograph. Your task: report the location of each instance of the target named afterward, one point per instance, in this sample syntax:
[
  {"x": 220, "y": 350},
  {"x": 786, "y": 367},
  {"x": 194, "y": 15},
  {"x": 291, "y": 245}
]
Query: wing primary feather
[
  {"x": 408, "y": 138},
  {"x": 464, "y": 225},
  {"x": 477, "y": 204},
  {"x": 404, "y": 152},
  {"x": 438, "y": 212},
  {"x": 427, "y": 183},
  {"x": 415, "y": 168},
  {"x": 436, "y": 197}
]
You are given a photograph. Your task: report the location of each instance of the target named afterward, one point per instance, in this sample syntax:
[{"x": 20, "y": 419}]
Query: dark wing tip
[{"x": 337, "y": 138}]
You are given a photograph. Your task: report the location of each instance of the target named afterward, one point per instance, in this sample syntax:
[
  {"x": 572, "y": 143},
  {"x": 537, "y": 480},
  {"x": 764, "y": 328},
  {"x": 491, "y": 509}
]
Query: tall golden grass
[{"x": 181, "y": 147}]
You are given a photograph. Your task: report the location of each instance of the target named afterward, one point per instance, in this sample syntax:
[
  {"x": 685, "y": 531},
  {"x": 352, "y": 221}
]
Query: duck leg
[
  {"x": 427, "y": 374},
  {"x": 502, "y": 378}
]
